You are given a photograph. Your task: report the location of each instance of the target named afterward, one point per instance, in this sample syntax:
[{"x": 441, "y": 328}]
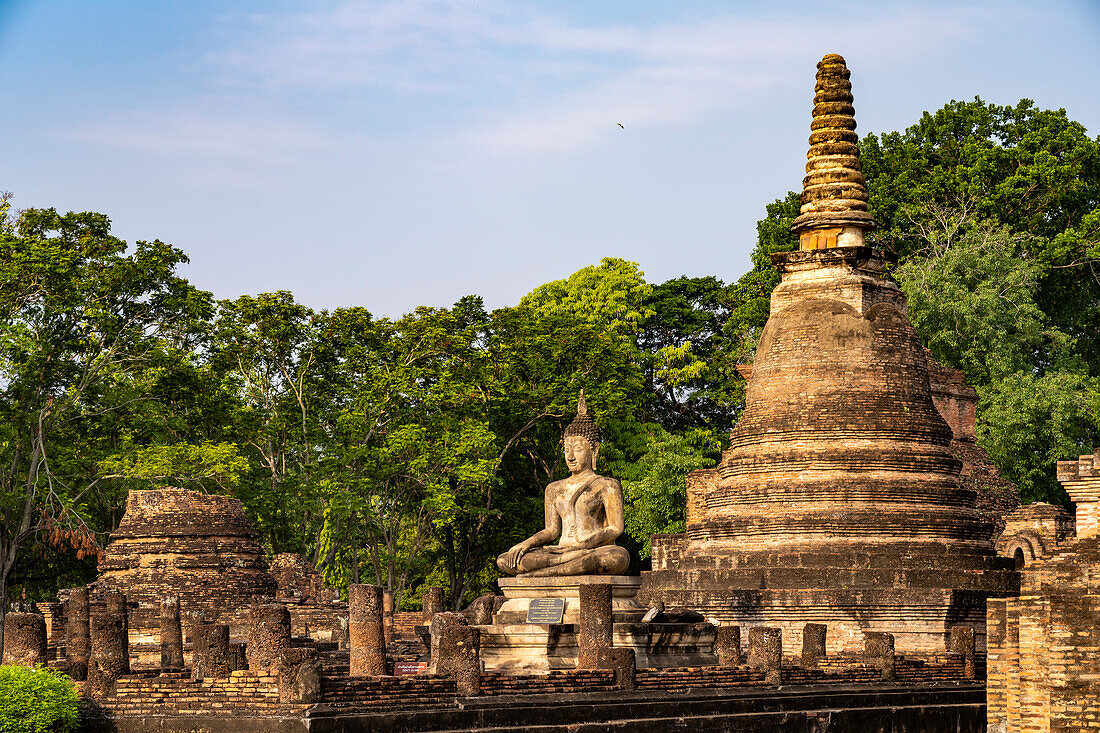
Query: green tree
[
  {"x": 1031, "y": 421},
  {"x": 1031, "y": 171},
  {"x": 270, "y": 349},
  {"x": 690, "y": 363},
  {"x": 414, "y": 435},
  {"x": 973, "y": 298},
  {"x": 77, "y": 314},
  {"x": 211, "y": 467},
  {"x": 654, "y": 488},
  {"x": 613, "y": 295},
  {"x": 973, "y": 291}
]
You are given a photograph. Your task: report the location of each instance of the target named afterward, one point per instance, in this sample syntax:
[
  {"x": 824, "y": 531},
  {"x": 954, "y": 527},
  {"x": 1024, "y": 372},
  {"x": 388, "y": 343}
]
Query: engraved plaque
[{"x": 545, "y": 610}]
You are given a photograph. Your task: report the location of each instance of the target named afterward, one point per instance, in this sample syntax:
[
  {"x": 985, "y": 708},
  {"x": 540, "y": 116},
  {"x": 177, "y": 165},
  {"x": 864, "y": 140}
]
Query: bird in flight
[{"x": 620, "y": 125}]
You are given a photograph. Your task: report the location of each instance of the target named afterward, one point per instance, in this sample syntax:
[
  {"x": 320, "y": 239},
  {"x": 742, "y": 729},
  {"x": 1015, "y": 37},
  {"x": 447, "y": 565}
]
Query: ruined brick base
[
  {"x": 848, "y": 593},
  {"x": 791, "y": 710}
]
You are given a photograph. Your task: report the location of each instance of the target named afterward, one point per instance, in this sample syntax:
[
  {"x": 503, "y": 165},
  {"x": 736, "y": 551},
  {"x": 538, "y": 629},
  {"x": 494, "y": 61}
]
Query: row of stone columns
[
  {"x": 766, "y": 650},
  {"x": 212, "y": 653},
  {"x": 98, "y": 642}
]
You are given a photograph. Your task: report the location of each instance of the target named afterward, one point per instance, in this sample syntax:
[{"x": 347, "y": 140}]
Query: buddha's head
[{"x": 582, "y": 440}]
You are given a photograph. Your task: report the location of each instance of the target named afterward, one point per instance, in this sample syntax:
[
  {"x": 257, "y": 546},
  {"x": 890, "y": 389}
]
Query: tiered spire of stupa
[{"x": 834, "y": 198}]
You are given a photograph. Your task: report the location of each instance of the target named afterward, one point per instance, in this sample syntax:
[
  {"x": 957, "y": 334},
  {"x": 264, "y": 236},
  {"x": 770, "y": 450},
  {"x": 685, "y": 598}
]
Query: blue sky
[{"x": 395, "y": 154}]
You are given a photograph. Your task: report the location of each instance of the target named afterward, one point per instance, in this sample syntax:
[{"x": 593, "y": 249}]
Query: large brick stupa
[{"x": 838, "y": 500}]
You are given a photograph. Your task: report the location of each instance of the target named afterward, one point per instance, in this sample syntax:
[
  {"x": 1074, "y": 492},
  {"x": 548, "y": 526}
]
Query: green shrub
[{"x": 36, "y": 701}]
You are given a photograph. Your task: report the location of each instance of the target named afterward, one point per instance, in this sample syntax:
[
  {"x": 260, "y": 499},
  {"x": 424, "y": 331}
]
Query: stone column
[
  {"x": 727, "y": 646},
  {"x": 368, "y": 640},
  {"x": 268, "y": 634},
  {"x": 387, "y": 616},
  {"x": 813, "y": 645},
  {"x": 77, "y": 642},
  {"x": 878, "y": 653},
  {"x": 117, "y": 607},
  {"x": 440, "y": 623},
  {"x": 171, "y": 634},
  {"x": 299, "y": 675},
  {"x": 432, "y": 604},
  {"x": 212, "y": 656},
  {"x": 622, "y": 661},
  {"x": 460, "y": 657},
  {"x": 109, "y": 657},
  {"x": 766, "y": 652},
  {"x": 340, "y": 629},
  {"x": 595, "y": 627},
  {"x": 24, "y": 639},
  {"x": 962, "y": 642},
  {"x": 190, "y": 620}
]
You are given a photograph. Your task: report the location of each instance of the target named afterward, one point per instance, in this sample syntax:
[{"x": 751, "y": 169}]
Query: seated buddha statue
[{"x": 583, "y": 512}]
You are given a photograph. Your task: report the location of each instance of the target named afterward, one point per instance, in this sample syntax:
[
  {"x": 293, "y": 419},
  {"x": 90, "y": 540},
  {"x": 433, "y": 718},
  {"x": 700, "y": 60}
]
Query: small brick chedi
[
  {"x": 1044, "y": 647},
  {"x": 838, "y": 500},
  {"x": 198, "y": 548}
]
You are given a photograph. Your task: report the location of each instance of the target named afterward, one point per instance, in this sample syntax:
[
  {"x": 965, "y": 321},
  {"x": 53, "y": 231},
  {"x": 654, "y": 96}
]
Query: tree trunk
[{"x": 3, "y": 604}]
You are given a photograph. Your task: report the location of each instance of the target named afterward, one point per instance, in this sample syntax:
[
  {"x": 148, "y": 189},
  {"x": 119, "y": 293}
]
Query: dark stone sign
[
  {"x": 545, "y": 610},
  {"x": 404, "y": 669}
]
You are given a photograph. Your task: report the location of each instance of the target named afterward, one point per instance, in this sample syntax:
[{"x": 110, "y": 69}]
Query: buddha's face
[{"x": 579, "y": 454}]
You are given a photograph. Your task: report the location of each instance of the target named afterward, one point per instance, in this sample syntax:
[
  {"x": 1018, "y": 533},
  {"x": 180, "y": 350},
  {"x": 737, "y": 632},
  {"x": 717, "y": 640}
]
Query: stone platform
[
  {"x": 798, "y": 709},
  {"x": 519, "y": 592},
  {"x": 510, "y": 644}
]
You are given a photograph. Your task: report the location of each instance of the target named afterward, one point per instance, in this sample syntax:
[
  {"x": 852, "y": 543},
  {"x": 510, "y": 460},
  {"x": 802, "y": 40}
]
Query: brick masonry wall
[
  {"x": 391, "y": 693},
  {"x": 404, "y": 622},
  {"x": 1044, "y": 646},
  {"x": 956, "y": 400},
  {"x": 557, "y": 682},
  {"x": 1034, "y": 530},
  {"x": 666, "y": 551},
  {"x": 255, "y": 693}
]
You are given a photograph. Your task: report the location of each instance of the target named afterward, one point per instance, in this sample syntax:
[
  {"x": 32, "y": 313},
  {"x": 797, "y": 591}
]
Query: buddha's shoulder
[
  {"x": 605, "y": 482},
  {"x": 598, "y": 483}
]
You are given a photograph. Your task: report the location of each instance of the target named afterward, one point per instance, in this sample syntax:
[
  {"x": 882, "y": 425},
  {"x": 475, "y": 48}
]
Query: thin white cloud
[
  {"x": 557, "y": 86},
  {"x": 684, "y": 73},
  {"x": 219, "y": 149},
  {"x": 253, "y": 140}
]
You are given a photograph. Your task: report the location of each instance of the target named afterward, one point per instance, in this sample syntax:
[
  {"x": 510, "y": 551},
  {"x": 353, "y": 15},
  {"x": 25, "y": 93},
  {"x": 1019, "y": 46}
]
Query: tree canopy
[{"x": 410, "y": 451}]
